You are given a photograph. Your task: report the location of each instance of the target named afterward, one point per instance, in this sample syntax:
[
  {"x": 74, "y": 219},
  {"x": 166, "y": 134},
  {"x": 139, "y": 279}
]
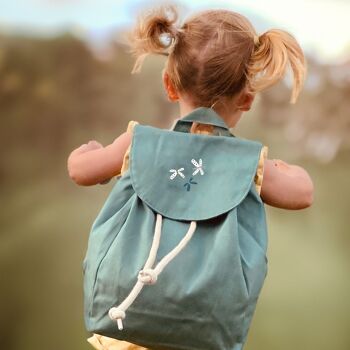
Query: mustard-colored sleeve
[
  {"x": 260, "y": 169},
  {"x": 125, "y": 165}
]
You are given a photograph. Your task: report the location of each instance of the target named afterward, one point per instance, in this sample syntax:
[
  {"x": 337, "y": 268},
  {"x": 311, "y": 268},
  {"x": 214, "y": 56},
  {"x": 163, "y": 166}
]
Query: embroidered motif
[
  {"x": 198, "y": 167},
  {"x": 189, "y": 183},
  {"x": 179, "y": 172},
  {"x": 176, "y": 172}
]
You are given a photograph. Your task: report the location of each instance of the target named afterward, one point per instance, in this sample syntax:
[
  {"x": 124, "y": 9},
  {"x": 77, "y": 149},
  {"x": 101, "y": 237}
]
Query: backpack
[{"x": 176, "y": 257}]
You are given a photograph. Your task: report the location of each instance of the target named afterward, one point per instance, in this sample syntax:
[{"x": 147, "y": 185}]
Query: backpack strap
[{"x": 149, "y": 275}]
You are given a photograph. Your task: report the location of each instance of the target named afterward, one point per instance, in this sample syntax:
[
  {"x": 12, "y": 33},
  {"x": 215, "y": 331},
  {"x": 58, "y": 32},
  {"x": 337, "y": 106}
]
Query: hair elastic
[{"x": 166, "y": 39}]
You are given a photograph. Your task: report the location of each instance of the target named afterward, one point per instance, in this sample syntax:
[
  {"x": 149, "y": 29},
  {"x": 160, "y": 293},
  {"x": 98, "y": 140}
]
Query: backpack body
[{"x": 205, "y": 297}]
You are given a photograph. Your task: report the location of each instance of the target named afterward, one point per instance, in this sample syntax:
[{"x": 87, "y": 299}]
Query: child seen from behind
[{"x": 216, "y": 64}]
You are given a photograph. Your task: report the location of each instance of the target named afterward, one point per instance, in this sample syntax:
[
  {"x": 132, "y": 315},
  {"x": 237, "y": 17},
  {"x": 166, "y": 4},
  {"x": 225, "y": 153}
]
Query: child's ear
[
  {"x": 245, "y": 101},
  {"x": 169, "y": 87}
]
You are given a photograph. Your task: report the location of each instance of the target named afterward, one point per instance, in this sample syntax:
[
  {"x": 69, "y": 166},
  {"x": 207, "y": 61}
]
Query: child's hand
[{"x": 91, "y": 163}]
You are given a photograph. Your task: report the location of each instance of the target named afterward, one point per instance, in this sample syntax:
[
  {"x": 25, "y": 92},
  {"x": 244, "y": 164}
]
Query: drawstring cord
[{"x": 149, "y": 275}]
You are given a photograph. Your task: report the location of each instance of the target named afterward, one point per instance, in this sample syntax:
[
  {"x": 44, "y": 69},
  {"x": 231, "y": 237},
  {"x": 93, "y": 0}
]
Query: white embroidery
[
  {"x": 198, "y": 167},
  {"x": 176, "y": 172}
]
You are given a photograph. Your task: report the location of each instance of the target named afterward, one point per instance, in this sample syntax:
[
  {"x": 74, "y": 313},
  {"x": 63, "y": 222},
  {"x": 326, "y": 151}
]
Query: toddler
[{"x": 215, "y": 60}]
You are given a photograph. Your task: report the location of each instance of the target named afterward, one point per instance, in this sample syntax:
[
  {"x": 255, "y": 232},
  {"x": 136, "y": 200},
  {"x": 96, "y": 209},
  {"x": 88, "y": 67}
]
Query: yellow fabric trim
[
  {"x": 125, "y": 165},
  {"x": 260, "y": 169},
  {"x": 101, "y": 342}
]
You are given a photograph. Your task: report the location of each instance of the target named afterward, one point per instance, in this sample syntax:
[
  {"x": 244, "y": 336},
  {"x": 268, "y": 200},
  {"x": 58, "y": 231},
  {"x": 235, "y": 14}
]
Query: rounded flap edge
[{"x": 191, "y": 176}]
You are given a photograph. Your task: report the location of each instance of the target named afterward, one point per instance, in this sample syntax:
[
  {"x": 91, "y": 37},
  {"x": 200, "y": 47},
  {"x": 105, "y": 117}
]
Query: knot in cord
[
  {"x": 118, "y": 315},
  {"x": 148, "y": 276}
]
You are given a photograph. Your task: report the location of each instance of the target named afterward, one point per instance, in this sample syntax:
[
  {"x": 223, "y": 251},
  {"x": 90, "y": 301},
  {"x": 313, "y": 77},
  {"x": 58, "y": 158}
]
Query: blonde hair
[{"x": 217, "y": 53}]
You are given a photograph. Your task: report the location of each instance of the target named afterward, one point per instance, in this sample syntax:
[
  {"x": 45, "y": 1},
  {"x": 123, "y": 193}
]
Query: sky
[{"x": 321, "y": 26}]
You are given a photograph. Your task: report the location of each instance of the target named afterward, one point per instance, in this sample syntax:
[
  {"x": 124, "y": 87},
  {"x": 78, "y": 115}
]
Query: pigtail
[
  {"x": 154, "y": 33},
  {"x": 274, "y": 50}
]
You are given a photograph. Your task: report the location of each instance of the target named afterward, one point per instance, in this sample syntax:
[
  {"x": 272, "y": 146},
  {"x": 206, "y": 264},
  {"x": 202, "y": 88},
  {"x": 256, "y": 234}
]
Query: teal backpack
[{"x": 176, "y": 258}]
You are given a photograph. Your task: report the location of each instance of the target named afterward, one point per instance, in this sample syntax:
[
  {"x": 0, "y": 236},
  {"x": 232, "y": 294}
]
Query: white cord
[{"x": 148, "y": 275}]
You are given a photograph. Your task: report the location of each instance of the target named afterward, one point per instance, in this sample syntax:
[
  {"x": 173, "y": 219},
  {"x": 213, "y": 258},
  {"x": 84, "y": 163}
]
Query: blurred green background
[{"x": 59, "y": 89}]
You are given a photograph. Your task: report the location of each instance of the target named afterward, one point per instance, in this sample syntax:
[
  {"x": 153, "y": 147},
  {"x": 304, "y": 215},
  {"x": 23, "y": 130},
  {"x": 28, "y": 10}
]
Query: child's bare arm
[
  {"x": 286, "y": 186},
  {"x": 92, "y": 163}
]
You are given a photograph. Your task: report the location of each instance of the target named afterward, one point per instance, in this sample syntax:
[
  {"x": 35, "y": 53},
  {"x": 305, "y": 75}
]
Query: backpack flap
[{"x": 191, "y": 176}]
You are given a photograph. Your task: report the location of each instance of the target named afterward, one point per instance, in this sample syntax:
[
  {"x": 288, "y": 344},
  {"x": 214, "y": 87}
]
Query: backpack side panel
[
  {"x": 104, "y": 230},
  {"x": 253, "y": 241}
]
